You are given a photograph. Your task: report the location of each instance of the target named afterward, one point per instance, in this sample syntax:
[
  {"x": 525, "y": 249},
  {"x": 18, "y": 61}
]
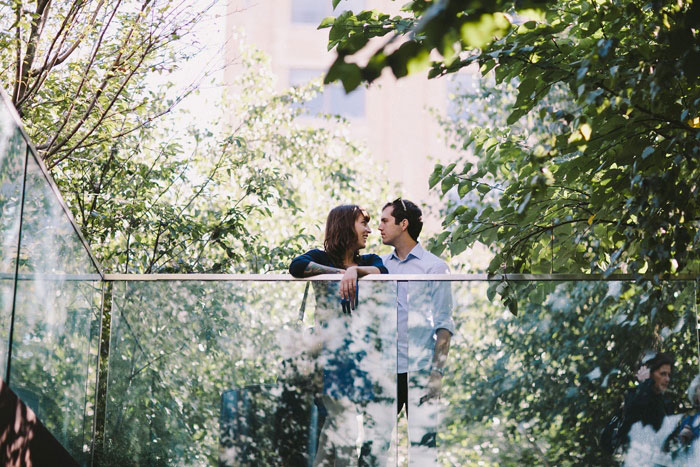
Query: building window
[
  {"x": 333, "y": 99},
  {"x": 313, "y": 11}
]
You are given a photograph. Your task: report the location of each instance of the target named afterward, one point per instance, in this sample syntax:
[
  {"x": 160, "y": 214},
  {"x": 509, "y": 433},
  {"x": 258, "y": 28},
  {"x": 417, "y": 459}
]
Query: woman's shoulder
[
  {"x": 318, "y": 256},
  {"x": 370, "y": 258}
]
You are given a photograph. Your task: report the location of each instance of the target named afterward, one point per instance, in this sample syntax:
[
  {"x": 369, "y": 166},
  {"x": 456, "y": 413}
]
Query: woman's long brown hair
[{"x": 341, "y": 236}]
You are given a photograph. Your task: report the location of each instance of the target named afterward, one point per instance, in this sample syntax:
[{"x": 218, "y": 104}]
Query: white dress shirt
[{"x": 422, "y": 307}]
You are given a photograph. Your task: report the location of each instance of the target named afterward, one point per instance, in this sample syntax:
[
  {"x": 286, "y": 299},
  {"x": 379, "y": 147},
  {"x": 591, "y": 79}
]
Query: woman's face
[
  {"x": 362, "y": 230},
  {"x": 661, "y": 377}
]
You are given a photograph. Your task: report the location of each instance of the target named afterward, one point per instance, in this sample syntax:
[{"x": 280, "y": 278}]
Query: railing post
[{"x": 98, "y": 438}]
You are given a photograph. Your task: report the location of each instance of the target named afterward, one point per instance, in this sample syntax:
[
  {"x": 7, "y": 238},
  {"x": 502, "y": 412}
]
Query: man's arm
[
  {"x": 442, "y": 346},
  {"x": 442, "y": 309}
]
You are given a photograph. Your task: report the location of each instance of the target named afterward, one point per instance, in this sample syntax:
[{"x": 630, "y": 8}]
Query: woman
[
  {"x": 347, "y": 228},
  {"x": 344, "y": 383},
  {"x": 646, "y": 404}
]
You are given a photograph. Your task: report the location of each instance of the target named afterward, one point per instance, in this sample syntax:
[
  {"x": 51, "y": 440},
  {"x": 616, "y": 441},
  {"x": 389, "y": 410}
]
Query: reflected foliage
[
  {"x": 202, "y": 371},
  {"x": 539, "y": 388},
  {"x": 12, "y": 156}
]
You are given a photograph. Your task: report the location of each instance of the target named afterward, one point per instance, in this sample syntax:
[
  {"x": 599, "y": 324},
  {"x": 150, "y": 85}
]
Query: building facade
[{"x": 391, "y": 117}]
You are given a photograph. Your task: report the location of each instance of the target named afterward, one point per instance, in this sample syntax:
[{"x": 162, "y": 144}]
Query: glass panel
[
  {"x": 57, "y": 306},
  {"x": 224, "y": 372},
  {"x": 12, "y": 154},
  {"x": 541, "y": 387}
]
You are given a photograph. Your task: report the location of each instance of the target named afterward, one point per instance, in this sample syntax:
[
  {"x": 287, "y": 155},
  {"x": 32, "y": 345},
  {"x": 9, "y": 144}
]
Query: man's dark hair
[{"x": 405, "y": 209}]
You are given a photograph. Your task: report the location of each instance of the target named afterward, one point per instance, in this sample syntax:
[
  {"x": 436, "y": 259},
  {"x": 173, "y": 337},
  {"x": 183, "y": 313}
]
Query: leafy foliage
[
  {"x": 237, "y": 196},
  {"x": 603, "y": 174},
  {"x": 539, "y": 387},
  {"x": 447, "y": 27},
  {"x": 150, "y": 195},
  {"x": 604, "y": 178}
]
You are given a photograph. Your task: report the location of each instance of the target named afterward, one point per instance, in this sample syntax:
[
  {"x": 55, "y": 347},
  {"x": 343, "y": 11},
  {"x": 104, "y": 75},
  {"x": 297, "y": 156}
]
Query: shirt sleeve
[
  {"x": 298, "y": 264},
  {"x": 376, "y": 261},
  {"x": 442, "y": 300}
]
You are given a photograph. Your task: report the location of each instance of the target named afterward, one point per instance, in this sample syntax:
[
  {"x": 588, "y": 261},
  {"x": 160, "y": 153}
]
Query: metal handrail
[{"x": 394, "y": 277}]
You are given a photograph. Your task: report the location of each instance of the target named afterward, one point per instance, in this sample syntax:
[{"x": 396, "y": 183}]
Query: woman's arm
[
  {"x": 314, "y": 269},
  {"x": 312, "y": 263},
  {"x": 365, "y": 270}
]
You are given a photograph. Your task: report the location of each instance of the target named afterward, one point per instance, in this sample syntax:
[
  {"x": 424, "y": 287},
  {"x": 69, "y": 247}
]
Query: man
[{"x": 425, "y": 328}]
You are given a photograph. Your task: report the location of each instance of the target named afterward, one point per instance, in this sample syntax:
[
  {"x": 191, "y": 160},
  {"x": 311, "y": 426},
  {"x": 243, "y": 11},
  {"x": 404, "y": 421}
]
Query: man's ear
[{"x": 404, "y": 224}]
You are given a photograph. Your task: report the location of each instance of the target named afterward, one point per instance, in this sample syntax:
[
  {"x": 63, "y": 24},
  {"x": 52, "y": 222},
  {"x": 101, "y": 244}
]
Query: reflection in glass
[
  {"x": 209, "y": 372},
  {"x": 12, "y": 155},
  {"x": 56, "y": 311},
  {"x": 540, "y": 387}
]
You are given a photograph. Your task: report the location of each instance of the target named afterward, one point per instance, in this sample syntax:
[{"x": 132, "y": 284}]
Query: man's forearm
[
  {"x": 314, "y": 269},
  {"x": 442, "y": 346}
]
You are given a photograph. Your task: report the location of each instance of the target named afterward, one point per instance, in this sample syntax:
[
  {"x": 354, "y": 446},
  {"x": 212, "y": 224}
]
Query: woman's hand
[
  {"x": 686, "y": 435},
  {"x": 348, "y": 286},
  {"x": 643, "y": 374}
]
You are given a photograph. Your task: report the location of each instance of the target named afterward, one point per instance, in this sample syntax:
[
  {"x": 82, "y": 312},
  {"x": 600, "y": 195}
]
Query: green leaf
[
  {"x": 398, "y": 60},
  {"x": 464, "y": 188},
  {"x": 448, "y": 183},
  {"x": 436, "y": 176},
  {"x": 348, "y": 73},
  {"x": 327, "y": 22}
]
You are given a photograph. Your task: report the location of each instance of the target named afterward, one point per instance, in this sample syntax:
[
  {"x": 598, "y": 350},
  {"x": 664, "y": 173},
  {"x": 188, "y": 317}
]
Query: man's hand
[
  {"x": 348, "y": 286},
  {"x": 434, "y": 388},
  {"x": 643, "y": 374}
]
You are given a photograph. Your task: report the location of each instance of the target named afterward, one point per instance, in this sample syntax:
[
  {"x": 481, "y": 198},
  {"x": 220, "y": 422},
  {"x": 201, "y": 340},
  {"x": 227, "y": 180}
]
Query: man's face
[{"x": 387, "y": 226}]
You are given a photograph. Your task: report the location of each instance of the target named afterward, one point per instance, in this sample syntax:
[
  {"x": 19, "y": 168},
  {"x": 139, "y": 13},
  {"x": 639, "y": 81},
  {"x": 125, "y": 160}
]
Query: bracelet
[{"x": 438, "y": 370}]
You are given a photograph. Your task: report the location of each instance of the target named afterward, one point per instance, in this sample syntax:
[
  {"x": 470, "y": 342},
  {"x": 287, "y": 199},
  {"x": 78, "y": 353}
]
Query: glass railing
[
  {"x": 223, "y": 372},
  {"x": 268, "y": 370},
  {"x": 50, "y": 297}
]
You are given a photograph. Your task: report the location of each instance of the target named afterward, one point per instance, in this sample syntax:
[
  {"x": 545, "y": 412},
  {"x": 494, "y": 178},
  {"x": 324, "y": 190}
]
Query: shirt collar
[{"x": 416, "y": 252}]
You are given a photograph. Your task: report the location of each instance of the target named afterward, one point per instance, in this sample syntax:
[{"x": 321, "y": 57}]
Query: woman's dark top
[
  {"x": 342, "y": 376},
  {"x": 646, "y": 406},
  {"x": 299, "y": 263}
]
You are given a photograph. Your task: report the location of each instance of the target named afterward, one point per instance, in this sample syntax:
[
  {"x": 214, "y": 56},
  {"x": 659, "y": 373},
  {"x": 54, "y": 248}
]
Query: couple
[{"x": 423, "y": 329}]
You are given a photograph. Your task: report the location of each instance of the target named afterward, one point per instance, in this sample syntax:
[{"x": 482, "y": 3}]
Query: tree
[
  {"x": 241, "y": 196},
  {"x": 582, "y": 157},
  {"x": 614, "y": 186},
  {"x": 77, "y": 71},
  {"x": 149, "y": 195},
  {"x": 447, "y": 27}
]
